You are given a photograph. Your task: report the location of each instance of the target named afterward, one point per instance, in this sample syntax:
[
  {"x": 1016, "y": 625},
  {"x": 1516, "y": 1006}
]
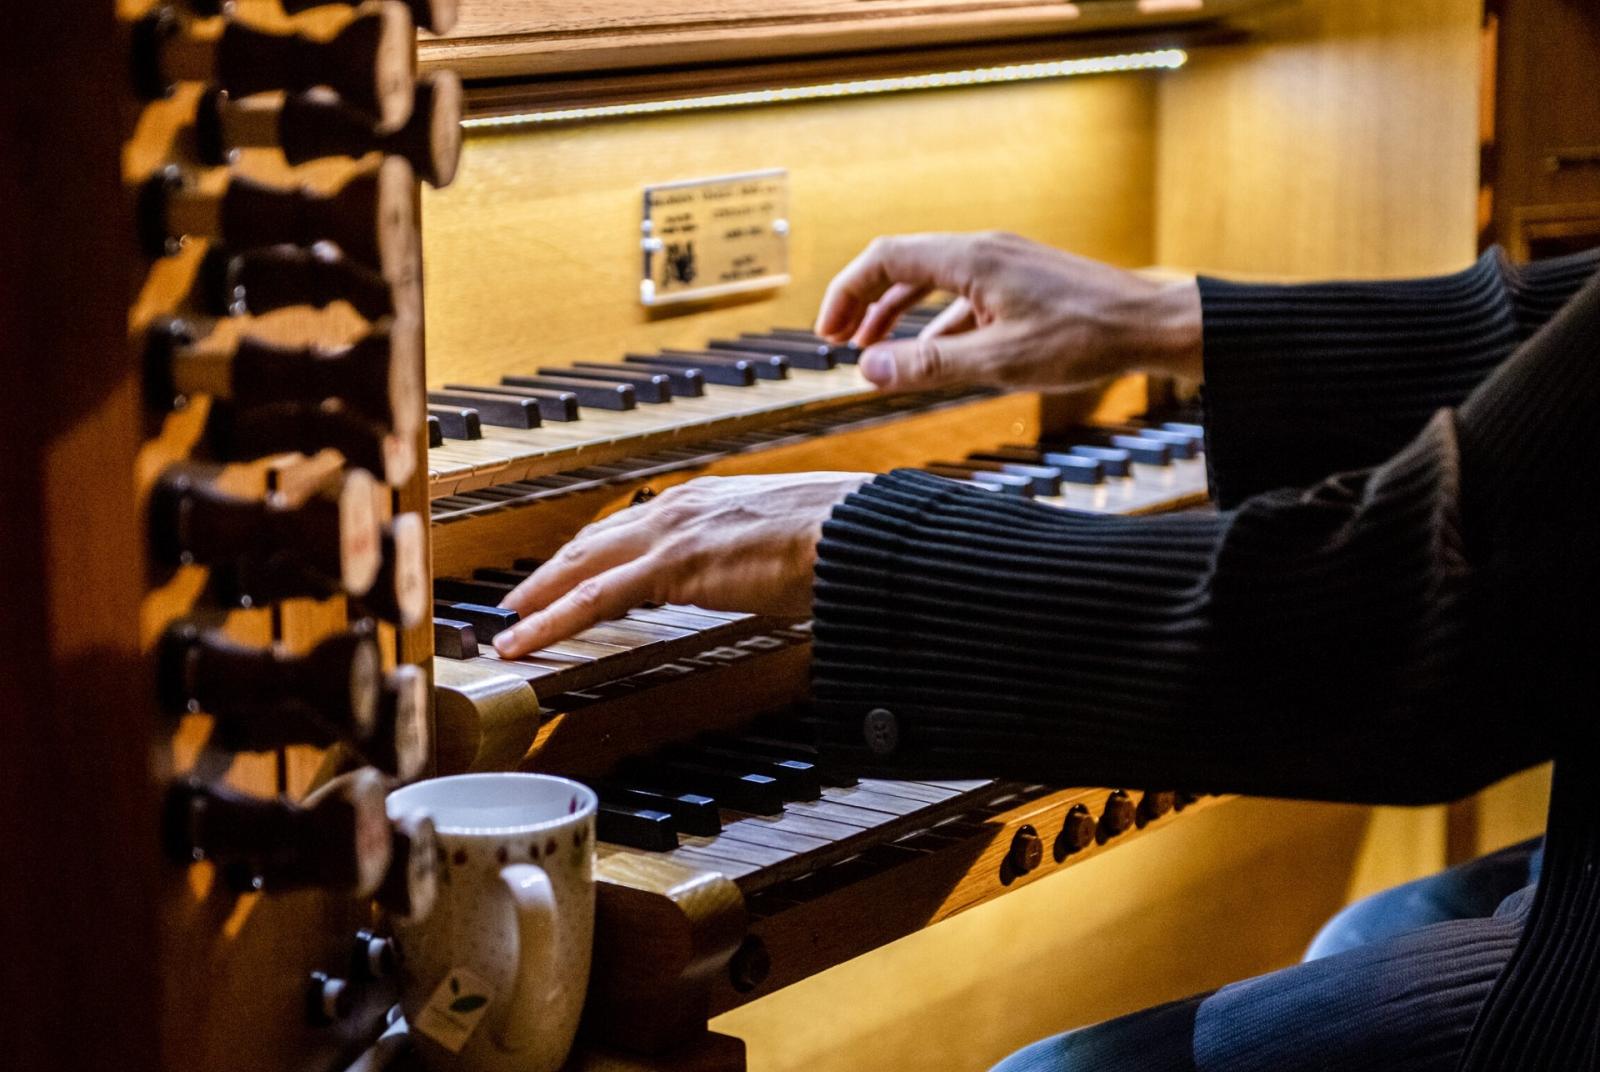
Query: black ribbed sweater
[{"x": 1406, "y": 631}]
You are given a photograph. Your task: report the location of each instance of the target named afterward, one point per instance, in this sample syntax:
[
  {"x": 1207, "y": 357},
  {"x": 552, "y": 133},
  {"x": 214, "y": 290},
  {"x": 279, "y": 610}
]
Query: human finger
[
  {"x": 881, "y": 315},
  {"x": 925, "y": 260},
  {"x": 954, "y": 318},
  {"x": 592, "y": 551},
  {"x": 598, "y": 598}
]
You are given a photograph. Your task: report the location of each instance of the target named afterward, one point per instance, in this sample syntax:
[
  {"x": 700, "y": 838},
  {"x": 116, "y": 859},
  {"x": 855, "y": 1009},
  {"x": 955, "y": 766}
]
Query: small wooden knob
[
  {"x": 1026, "y": 852},
  {"x": 333, "y": 536},
  {"x": 1077, "y": 832},
  {"x": 379, "y": 377},
  {"x": 261, "y": 281},
  {"x": 338, "y": 838},
  {"x": 316, "y": 124},
  {"x": 370, "y": 63},
  {"x": 402, "y": 743},
  {"x": 1118, "y": 817},
  {"x": 1152, "y": 806},
  {"x": 437, "y": 16},
  {"x": 401, "y": 594},
  {"x": 265, "y": 698},
  {"x": 371, "y": 218},
  {"x": 411, "y": 885},
  {"x": 237, "y": 435}
]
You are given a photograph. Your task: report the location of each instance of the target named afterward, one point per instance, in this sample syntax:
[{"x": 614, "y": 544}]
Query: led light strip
[{"x": 1167, "y": 59}]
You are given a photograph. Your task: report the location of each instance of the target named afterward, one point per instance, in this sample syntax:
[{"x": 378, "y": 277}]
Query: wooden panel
[
  {"x": 1547, "y": 122},
  {"x": 80, "y": 873},
  {"x": 1218, "y": 896},
  {"x": 533, "y": 253},
  {"x": 1344, "y": 141},
  {"x": 501, "y": 38}
]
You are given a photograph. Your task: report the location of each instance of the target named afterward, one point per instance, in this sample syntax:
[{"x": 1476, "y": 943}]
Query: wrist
[{"x": 1174, "y": 343}]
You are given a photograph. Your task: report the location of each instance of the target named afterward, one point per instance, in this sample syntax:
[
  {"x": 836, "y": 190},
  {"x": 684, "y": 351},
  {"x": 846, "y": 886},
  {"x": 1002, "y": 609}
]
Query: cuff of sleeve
[
  {"x": 1308, "y": 380},
  {"x": 954, "y": 627}
]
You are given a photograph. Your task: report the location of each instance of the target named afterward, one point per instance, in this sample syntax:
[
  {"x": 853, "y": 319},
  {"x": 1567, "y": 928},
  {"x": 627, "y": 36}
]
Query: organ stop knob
[
  {"x": 316, "y": 124},
  {"x": 378, "y": 377},
  {"x": 264, "y": 697},
  {"x": 244, "y": 435},
  {"x": 370, "y": 62},
  {"x": 334, "y": 536},
  {"x": 372, "y": 217},
  {"x": 259, "y": 281},
  {"x": 339, "y": 839}
]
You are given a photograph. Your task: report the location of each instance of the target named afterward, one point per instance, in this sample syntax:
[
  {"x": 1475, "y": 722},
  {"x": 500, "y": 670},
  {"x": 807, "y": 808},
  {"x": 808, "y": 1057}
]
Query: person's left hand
[{"x": 745, "y": 543}]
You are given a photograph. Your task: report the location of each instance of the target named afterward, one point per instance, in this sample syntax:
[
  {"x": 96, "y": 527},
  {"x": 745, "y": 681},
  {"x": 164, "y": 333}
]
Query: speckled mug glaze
[{"x": 515, "y": 910}]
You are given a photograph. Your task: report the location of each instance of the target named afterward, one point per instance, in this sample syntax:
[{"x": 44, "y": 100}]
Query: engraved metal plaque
[{"x": 706, "y": 237}]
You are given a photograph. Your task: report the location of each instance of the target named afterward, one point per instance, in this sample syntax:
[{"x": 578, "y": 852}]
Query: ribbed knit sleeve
[
  {"x": 1373, "y": 638},
  {"x": 1310, "y": 379}
]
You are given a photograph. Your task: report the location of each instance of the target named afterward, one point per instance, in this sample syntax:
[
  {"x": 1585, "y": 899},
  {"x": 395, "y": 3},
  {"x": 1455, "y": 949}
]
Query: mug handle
[{"x": 534, "y": 902}]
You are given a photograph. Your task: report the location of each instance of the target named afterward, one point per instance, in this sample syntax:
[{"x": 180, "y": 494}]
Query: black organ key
[
  {"x": 618, "y": 396},
  {"x": 462, "y": 590},
  {"x": 843, "y": 352},
  {"x": 371, "y": 218},
  {"x": 334, "y": 534},
  {"x": 549, "y": 404},
  {"x": 736, "y": 373},
  {"x": 400, "y": 593},
  {"x": 1196, "y": 431},
  {"x": 1182, "y": 444},
  {"x": 757, "y": 794},
  {"x": 501, "y": 411},
  {"x": 370, "y": 63},
  {"x": 486, "y": 621},
  {"x": 435, "y": 432},
  {"x": 817, "y": 357},
  {"x": 1139, "y": 449},
  {"x": 457, "y": 422},
  {"x": 797, "y": 779},
  {"x": 378, "y": 377},
  {"x": 685, "y": 383},
  {"x": 1001, "y": 482},
  {"x": 639, "y": 828},
  {"x": 527, "y": 565},
  {"x": 240, "y": 435},
  {"x": 679, "y": 382},
  {"x": 402, "y": 743},
  {"x": 765, "y": 366},
  {"x": 262, "y": 698},
  {"x": 316, "y": 124},
  {"x": 259, "y": 281},
  {"x": 692, "y": 813},
  {"x": 1068, "y": 468},
  {"x": 1115, "y": 461},
  {"x": 338, "y": 839},
  {"x": 772, "y": 748},
  {"x": 1046, "y": 480},
  {"x": 651, "y": 387},
  {"x": 500, "y": 576},
  {"x": 453, "y": 639}
]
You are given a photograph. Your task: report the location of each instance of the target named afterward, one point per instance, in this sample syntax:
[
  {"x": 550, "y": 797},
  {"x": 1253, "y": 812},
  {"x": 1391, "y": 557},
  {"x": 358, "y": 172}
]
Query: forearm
[{"x": 1314, "y": 645}]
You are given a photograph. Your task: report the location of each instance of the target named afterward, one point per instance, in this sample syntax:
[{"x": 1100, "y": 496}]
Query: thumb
[{"x": 938, "y": 361}]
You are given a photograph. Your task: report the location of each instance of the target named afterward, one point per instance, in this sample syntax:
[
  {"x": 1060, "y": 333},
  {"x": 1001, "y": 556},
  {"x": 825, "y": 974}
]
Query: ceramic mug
[{"x": 493, "y": 979}]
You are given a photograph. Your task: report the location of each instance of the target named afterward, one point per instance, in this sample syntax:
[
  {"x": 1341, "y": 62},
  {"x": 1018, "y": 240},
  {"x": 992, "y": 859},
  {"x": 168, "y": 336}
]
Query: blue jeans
[{"x": 1391, "y": 982}]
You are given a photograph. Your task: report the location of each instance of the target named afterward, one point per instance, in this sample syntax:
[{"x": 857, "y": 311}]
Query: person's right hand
[{"x": 1025, "y": 315}]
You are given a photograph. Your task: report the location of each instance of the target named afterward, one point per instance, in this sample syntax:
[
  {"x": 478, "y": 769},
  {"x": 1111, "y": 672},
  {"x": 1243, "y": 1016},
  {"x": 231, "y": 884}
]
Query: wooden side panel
[{"x": 80, "y": 965}]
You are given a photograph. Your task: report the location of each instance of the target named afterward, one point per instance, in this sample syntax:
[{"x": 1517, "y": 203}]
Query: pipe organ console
[{"x": 267, "y": 536}]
